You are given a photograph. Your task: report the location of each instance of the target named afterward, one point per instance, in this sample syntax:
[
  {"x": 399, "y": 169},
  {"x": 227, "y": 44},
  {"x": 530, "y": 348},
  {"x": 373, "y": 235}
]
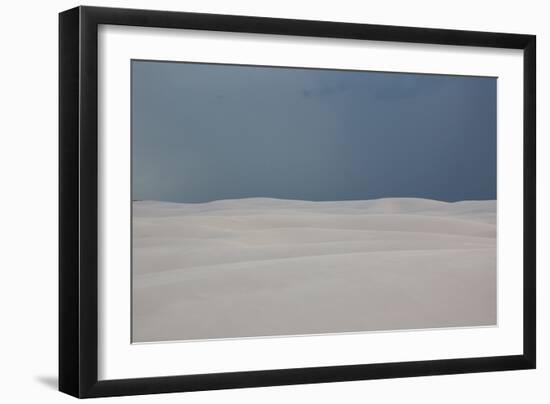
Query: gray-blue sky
[{"x": 203, "y": 132}]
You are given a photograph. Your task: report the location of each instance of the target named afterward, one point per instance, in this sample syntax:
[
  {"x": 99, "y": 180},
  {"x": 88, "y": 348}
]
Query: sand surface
[{"x": 269, "y": 267}]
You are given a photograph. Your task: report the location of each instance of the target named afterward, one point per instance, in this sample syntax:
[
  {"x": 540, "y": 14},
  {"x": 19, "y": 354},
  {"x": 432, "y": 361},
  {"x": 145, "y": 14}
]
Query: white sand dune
[{"x": 267, "y": 267}]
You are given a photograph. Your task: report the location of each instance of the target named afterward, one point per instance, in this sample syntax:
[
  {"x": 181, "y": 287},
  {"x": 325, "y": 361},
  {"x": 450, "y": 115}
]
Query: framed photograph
[{"x": 250, "y": 201}]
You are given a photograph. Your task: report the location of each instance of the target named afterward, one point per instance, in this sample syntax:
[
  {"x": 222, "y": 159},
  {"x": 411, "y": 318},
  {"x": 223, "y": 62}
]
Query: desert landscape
[{"x": 258, "y": 267}]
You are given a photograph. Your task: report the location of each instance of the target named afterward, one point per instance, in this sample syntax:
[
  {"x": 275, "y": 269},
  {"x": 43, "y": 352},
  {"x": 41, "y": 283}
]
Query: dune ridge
[{"x": 267, "y": 267}]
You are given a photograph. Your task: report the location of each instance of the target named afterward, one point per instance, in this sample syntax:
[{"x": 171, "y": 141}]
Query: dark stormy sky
[{"x": 202, "y": 132}]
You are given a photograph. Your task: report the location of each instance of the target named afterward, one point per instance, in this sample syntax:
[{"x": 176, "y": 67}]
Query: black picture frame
[{"x": 78, "y": 201}]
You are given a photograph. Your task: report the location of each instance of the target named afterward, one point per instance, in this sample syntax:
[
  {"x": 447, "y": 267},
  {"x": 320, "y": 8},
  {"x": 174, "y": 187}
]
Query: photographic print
[{"x": 284, "y": 201}]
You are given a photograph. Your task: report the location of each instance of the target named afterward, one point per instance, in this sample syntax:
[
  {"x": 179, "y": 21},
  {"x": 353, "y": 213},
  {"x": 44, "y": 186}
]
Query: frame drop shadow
[{"x": 48, "y": 381}]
